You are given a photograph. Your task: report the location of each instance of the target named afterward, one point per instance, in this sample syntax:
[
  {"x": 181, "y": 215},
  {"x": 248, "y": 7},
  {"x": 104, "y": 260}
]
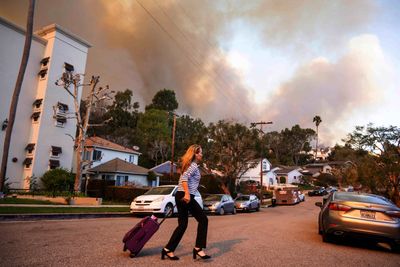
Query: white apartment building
[{"x": 39, "y": 141}]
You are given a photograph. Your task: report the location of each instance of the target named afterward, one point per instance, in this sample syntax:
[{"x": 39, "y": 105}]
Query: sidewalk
[
  {"x": 58, "y": 216},
  {"x": 65, "y": 206}
]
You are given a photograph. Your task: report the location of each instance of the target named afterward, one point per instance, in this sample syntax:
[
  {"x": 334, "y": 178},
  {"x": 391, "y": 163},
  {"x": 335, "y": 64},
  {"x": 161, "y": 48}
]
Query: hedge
[{"x": 123, "y": 193}]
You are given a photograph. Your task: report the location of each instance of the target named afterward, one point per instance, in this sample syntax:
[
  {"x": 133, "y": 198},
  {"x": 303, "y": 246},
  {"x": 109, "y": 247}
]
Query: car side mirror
[{"x": 318, "y": 204}]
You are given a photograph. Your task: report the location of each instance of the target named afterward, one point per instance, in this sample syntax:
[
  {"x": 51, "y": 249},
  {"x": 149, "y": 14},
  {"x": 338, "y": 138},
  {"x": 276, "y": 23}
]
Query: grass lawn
[
  {"x": 109, "y": 202},
  {"x": 25, "y": 210},
  {"x": 11, "y": 200}
]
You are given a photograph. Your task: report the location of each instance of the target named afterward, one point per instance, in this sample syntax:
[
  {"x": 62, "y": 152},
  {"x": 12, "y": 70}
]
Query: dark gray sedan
[
  {"x": 247, "y": 203},
  {"x": 219, "y": 204},
  {"x": 360, "y": 215}
]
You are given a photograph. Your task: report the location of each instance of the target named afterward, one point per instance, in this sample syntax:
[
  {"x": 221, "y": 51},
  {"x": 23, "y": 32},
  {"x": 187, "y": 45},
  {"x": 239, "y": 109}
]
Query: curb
[{"x": 57, "y": 216}]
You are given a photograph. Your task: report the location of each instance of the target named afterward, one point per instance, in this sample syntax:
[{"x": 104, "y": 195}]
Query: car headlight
[
  {"x": 159, "y": 199},
  {"x": 215, "y": 205}
]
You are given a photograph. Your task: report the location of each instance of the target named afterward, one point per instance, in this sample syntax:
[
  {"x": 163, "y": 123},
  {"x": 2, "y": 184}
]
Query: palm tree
[
  {"x": 317, "y": 120},
  {"x": 17, "y": 91}
]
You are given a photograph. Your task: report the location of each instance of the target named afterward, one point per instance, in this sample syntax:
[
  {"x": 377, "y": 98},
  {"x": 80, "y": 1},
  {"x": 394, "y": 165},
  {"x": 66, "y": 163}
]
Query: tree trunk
[{"x": 17, "y": 91}]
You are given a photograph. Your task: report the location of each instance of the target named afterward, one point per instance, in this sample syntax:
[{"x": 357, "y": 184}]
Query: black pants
[{"x": 183, "y": 214}]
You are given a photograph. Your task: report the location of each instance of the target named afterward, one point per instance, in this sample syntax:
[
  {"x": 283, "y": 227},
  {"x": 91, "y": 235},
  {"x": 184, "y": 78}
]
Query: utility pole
[
  {"x": 252, "y": 125},
  {"x": 173, "y": 146}
]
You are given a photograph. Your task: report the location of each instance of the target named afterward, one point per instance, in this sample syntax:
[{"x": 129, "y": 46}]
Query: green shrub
[{"x": 58, "y": 180}]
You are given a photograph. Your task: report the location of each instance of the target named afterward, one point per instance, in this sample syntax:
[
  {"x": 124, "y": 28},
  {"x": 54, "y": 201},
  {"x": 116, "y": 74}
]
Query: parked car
[
  {"x": 158, "y": 200},
  {"x": 320, "y": 191},
  {"x": 331, "y": 189},
  {"x": 247, "y": 203},
  {"x": 301, "y": 196},
  {"x": 348, "y": 214},
  {"x": 349, "y": 189},
  {"x": 219, "y": 204}
]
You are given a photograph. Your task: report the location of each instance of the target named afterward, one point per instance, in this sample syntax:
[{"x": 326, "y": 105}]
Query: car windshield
[
  {"x": 213, "y": 198},
  {"x": 243, "y": 198},
  {"x": 160, "y": 190},
  {"x": 362, "y": 198}
]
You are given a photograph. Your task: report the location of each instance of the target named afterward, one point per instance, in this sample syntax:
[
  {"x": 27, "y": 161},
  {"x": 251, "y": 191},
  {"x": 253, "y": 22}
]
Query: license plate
[
  {"x": 367, "y": 214},
  {"x": 141, "y": 208}
]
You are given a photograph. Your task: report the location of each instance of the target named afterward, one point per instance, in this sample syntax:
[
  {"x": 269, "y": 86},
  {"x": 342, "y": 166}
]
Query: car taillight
[
  {"x": 339, "y": 207},
  {"x": 393, "y": 213}
]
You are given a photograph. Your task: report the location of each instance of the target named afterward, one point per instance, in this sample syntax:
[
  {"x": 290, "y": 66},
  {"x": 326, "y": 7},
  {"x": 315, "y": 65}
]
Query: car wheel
[
  {"x": 258, "y": 207},
  {"x": 168, "y": 209},
  {"x": 327, "y": 238},
  {"x": 234, "y": 210},
  {"x": 221, "y": 211},
  {"x": 320, "y": 232},
  {"x": 395, "y": 247}
]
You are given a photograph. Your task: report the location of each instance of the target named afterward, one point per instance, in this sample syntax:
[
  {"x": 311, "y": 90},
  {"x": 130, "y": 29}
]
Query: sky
[{"x": 244, "y": 61}]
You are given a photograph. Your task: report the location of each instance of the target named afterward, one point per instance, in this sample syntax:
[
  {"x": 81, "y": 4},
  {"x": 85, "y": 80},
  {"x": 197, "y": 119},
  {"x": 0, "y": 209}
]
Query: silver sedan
[{"x": 359, "y": 215}]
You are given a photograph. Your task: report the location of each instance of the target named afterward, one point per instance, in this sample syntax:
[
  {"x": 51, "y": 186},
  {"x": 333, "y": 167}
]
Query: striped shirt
[{"x": 192, "y": 177}]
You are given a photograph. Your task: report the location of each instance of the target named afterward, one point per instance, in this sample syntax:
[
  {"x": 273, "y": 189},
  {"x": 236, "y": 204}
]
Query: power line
[
  {"x": 211, "y": 46},
  {"x": 191, "y": 60}
]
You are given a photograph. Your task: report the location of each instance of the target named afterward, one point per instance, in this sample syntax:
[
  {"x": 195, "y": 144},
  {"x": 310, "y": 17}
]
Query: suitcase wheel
[{"x": 132, "y": 255}]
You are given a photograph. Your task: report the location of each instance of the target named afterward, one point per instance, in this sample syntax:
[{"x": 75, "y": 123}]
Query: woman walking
[{"x": 185, "y": 202}]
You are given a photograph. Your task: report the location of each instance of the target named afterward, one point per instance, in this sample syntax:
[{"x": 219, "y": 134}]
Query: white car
[{"x": 158, "y": 200}]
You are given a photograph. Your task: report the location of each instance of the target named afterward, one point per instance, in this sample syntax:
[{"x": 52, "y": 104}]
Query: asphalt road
[{"x": 280, "y": 236}]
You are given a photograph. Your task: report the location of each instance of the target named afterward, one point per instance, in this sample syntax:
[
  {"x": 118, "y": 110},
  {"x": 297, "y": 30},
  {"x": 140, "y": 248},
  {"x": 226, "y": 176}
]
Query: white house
[
  {"x": 39, "y": 140},
  {"x": 253, "y": 174},
  {"x": 123, "y": 173},
  {"x": 288, "y": 175},
  {"x": 99, "y": 150},
  {"x": 317, "y": 168}
]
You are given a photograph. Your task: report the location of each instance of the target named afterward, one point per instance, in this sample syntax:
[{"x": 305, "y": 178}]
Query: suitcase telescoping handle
[{"x": 169, "y": 213}]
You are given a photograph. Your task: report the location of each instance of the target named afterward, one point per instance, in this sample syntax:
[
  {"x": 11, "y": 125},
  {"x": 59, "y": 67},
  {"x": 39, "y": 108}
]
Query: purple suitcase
[{"x": 136, "y": 238}]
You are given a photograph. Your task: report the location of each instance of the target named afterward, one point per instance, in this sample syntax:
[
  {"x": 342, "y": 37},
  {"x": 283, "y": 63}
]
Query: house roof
[
  {"x": 164, "y": 167},
  {"x": 310, "y": 171},
  {"x": 96, "y": 141},
  {"x": 118, "y": 165},
  {"x": 287, "y": 169}
]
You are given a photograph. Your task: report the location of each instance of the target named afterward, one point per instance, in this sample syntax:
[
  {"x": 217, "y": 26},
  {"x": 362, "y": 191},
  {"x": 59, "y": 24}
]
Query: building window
[
  {"x": 62, "y": 108},
  {"x": 28, "y": 162},
  {"x": 35, "y": 116},
  {"x": 131, "y": 158},
  {"x": 86, "y": 155},
  {"x": 96, "y": 155},
  {"x": 54, "y": 164},
  {"x": 121, "y": 180},
  {"x": 30, "y": 147},
  {"x": 42, "y": 73},
  {"x": 56, "y": 151},
  {"x": 60, "y": 121},
  {"x": 68, "y": 67},
  {"x": 44, "y": 61},
  {"x": 37, "y": 103}
]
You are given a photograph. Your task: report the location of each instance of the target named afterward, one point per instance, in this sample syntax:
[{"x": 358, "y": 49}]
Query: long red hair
[{"x": 189, "y": 156}]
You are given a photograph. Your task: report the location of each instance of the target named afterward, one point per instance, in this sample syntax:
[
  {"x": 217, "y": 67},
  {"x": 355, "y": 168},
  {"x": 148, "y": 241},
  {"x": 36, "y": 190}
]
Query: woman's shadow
[{"x": 221, "y": 248}]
